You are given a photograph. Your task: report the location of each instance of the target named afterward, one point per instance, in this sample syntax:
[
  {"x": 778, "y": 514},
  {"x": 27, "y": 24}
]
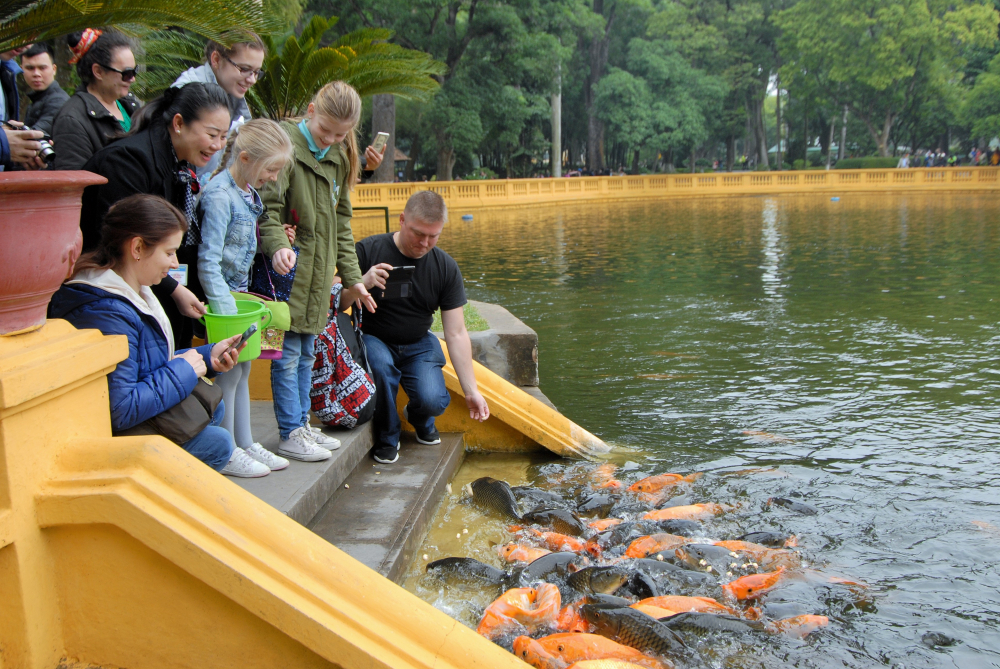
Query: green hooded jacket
[{"x": 314, "y": 197}]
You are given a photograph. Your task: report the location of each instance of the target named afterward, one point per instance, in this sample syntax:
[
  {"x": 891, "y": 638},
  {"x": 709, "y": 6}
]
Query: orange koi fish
[
  {"x": 682, "y": 604},
  {"x": 576, "y": 647},
  {"x": 660, "y": 481},
  {"x": 654, "y": 611},
  {"x": 534, "y": 608},
  {"x": 689, "y": 512},
  {"x": 654, "y": 543},
  {"x": 570, "y": 620},
  {"x": 601, "y": 525},
  {"x": 604, "y": 664},
  {"x": 518, "y": 553},
  {"x": 559, "y": 542},
  {"x": 798, "y": 626},
  {"x": 534, "y": 654},
  {"x": 753, "y": 585},
  {"x": 768, "y": 558}
]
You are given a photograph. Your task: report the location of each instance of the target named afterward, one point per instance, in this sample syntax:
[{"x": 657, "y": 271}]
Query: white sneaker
[
  {"x": 300, "y": 445},
  {"x": 262, "y": 455},
  {"x": 322, "y": 439},
  {"x": 242, "y": 465}
]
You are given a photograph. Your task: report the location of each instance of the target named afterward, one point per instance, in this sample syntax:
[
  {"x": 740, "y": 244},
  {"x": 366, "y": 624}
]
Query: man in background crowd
[
  {"x": 47, "y": 96},
  {"x": 16, "y": 146}
]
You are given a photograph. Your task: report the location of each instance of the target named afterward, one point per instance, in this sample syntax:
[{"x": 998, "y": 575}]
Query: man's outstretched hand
[{"x": 478, "y": 409}]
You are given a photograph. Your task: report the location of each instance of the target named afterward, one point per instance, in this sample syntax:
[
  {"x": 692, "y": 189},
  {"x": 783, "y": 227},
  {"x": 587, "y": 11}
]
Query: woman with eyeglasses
[
  {"x": 101, "y": 110},
  {"x": 236, "y": 69}
]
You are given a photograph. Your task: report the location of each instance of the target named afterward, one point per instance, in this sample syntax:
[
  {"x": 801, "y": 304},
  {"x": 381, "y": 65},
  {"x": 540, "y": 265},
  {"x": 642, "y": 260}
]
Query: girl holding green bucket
[{"x": 229, "y": 209}]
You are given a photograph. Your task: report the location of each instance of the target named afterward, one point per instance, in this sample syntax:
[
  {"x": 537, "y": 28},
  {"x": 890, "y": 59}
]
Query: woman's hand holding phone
[{"x": 224, "y": 356}]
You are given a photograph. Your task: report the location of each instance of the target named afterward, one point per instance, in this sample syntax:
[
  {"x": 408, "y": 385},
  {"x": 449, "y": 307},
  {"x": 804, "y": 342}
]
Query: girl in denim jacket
[{"x": 229, "y": 209}]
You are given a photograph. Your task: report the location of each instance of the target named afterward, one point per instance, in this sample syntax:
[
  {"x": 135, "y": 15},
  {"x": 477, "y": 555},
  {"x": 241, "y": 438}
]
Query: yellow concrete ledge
[
  {"x": 519, "y": 192},
  {"x": 128, "y": 552}
]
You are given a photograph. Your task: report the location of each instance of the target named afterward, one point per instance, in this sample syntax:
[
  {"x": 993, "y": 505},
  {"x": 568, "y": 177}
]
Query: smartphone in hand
[
  {"x": 380, "y": 141},
  {"x": 250, "y": 331}
]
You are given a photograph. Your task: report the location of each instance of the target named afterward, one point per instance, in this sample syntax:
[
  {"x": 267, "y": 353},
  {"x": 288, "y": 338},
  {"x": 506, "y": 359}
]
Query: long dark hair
[
  {"x": 101, "y": 52},
  {"x": 190, "y": 101},
  {"x": 149, "y": 217}
]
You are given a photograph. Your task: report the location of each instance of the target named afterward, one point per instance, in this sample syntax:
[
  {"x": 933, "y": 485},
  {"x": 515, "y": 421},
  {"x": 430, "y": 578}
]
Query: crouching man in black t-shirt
[{"x": 401, "y": 348}]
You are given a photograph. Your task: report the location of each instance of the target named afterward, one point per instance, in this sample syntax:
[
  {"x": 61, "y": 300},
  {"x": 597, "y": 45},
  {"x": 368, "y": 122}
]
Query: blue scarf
[{"x": 318, "y": 153}]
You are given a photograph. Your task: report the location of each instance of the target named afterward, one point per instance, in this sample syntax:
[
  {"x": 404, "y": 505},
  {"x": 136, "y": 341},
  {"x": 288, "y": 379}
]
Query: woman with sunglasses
[{"x": 101, "y": 109}]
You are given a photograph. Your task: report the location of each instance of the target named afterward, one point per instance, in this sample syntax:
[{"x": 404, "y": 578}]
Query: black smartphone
[
  {"x": 250, "y": 331},
  {"x": 397, "y": 285}
]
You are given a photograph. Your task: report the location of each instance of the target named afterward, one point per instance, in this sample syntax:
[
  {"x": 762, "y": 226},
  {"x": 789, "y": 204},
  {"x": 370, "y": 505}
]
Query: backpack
[{"x": 342, "y": 392}]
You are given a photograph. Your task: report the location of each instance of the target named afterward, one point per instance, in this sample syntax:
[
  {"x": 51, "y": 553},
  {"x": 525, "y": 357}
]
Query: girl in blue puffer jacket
[
  {"x": 110, "y": 292},
  {"x": 229, "y": 209}
]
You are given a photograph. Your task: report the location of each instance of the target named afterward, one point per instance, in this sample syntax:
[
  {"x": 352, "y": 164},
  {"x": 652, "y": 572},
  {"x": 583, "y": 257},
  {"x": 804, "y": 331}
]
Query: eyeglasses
[
  {"x": 128, "y": 74},
  {"x": 245, "y": 72}
]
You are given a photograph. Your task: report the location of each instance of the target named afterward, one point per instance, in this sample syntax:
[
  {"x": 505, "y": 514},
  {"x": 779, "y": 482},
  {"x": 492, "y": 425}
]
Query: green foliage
[
  {"x": 982, "y": 108},
  {"x": 298, "y": 66},
  {"x": 873, "y": 163},
  {"x": 23, "y": 21},
  {"x": 166, "y": 53}
]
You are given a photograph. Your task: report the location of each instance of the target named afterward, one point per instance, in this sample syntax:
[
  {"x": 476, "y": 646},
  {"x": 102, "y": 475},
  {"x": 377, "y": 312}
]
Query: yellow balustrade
[
  {"x": 519, "y": 192},
  {"x": 128, "y": 552}
]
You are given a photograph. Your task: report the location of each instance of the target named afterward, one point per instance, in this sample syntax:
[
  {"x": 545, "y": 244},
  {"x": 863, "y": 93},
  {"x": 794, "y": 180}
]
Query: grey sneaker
[
  {"x": 301, "y": 446},
  {"x": 243, "y": 466},
  {"x": 265, "y": 457},
  {"x": 322, "y": 439}
]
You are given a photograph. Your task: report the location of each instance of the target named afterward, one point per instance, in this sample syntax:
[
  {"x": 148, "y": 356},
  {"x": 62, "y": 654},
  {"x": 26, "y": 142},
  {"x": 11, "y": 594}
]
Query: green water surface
[{"x": 849, "y": 346}]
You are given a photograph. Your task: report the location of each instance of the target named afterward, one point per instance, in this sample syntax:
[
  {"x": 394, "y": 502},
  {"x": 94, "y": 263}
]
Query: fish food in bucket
[{"x": 219, "y": 326}]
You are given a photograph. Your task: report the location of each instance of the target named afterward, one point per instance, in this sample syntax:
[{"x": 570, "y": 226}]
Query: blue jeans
[
  {"x": 213, "y": 445},
  {"x": 417, "y": 367},
  {"x": 291, "y": 379}
]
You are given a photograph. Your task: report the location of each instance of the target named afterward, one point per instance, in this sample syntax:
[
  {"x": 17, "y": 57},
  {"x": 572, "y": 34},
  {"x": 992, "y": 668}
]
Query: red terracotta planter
[{"x": 39, "y": 241}]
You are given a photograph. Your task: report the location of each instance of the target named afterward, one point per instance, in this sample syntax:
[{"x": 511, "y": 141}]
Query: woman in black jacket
[
  {"x": 173, "y": 135},
  {"x": 101, "y": 110}
]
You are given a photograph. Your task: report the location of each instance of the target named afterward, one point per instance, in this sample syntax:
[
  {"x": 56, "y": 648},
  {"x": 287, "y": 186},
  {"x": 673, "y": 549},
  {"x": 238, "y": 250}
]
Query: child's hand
[
  {"x": 290, "y": 233},
  {"x": 224, "y": 359},
  {"x": 283, "y": 261}
]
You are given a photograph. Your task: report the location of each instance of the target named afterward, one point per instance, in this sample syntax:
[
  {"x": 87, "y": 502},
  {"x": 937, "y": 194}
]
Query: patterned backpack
[{"x": 342, "y": 393}]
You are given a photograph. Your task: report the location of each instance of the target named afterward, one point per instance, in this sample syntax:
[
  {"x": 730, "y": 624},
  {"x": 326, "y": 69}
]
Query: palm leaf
[
  {"x": 298, "y": 66},
  {"x": 23, "y": 22},
  {"x": 165, "y": 53}
]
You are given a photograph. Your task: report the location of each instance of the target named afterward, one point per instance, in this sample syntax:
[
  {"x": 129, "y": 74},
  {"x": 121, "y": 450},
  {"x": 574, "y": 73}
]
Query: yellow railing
[{"x": 519, "y": 192}]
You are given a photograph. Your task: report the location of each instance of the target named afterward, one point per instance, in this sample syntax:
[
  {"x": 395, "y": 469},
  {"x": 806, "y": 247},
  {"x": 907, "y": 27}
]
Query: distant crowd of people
[
  {"x": 198, "y": 195},
  {"x": 938, "y": 158}
]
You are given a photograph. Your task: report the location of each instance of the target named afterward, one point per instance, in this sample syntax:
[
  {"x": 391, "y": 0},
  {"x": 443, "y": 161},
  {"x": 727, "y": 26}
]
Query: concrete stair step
[
  {"x": 301, "y": 490},
  {"x": 383, "y": 516}
]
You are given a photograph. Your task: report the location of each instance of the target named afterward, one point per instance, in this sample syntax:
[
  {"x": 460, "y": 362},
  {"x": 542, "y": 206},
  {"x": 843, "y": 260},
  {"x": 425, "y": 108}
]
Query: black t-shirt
[{"x": 436, "y": 283}]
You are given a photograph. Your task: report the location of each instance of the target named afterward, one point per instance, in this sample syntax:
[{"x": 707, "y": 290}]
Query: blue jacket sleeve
[
  {"x": 4, "y": 150},
  {"x": 206, "y": 354},
  {"x": 216, "y": 214},
  {"x": 136, "y": 397}
]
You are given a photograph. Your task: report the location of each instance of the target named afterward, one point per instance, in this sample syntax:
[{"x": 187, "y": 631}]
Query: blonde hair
[
  {"x": 340, "y": 101},
  {"x": 264, "y": 141}
]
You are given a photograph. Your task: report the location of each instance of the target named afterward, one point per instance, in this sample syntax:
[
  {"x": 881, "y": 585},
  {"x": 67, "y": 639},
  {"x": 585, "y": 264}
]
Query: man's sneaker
[
  {"x": 266, "y": 457},
  {"x": 323, "y": 440},
  {"x": 301, "y": 446},
  {"x": 386, "y": 455},
  {"x": 242, "y": 465},
  {"x": 429, "y": 437}
]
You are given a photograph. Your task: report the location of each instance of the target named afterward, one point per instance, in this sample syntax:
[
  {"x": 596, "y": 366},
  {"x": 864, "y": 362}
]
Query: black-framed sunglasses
[
  {"x": 246, "y": 71},
  {"x": 128, "y": 74}
]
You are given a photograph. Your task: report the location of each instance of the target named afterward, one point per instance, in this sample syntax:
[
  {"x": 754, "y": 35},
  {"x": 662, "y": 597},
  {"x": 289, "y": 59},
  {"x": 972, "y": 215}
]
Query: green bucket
[{"x": 219, "y": 326}]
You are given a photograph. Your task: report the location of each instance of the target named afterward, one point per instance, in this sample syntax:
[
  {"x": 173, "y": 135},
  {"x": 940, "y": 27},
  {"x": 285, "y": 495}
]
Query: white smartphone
[{"x": 380, "y": 141}]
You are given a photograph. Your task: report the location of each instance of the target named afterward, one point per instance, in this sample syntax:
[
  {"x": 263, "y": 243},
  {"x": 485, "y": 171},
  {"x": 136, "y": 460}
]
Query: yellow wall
[
  {"x": 128, "y": 552},
  {"x": 468, "y": 195}
]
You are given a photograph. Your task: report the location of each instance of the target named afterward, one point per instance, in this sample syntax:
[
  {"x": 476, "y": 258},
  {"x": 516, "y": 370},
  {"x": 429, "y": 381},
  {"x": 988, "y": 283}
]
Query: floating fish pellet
[
  {"x": 659, "y": 556},
  {"x": 346, "y": 486},
  {"x": 465, "y": 530},
  {"x": 448, "y": 488},
  {"x": 458, "y": 536},
  {"x": 426, "y": 558}
]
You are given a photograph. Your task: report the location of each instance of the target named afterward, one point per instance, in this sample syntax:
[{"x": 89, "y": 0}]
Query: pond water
[{"x": 847, "y": 350}]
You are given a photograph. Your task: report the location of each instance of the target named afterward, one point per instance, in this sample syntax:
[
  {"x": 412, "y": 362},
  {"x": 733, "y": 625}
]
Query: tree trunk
[
  {"x": 669, "y": 157},
  {"x": 598, "y": 56},
  {"x": 692, "y": 160},
  {"x": 730, "y": 152},
  {"x": 842, "y": 149},
  {"x": 805, "y": 135},
  {"x": 778, "y": 157},
  {"x": 445, "y": 164},
  {"x": 829, "y": 145},
  {"x": 555, "y": 154},
  {"x": 635, "y": 162},
  {"x": 384, "y": 120}
]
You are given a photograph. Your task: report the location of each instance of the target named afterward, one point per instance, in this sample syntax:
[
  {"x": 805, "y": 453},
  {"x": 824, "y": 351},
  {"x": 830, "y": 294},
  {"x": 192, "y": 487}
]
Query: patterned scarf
[{"x": 189, "y": 179}]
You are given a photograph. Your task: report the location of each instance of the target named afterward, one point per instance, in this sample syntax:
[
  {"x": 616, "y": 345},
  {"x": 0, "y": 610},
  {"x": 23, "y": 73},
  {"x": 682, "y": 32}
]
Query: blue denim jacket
[{"x": 228, "y": 240}]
